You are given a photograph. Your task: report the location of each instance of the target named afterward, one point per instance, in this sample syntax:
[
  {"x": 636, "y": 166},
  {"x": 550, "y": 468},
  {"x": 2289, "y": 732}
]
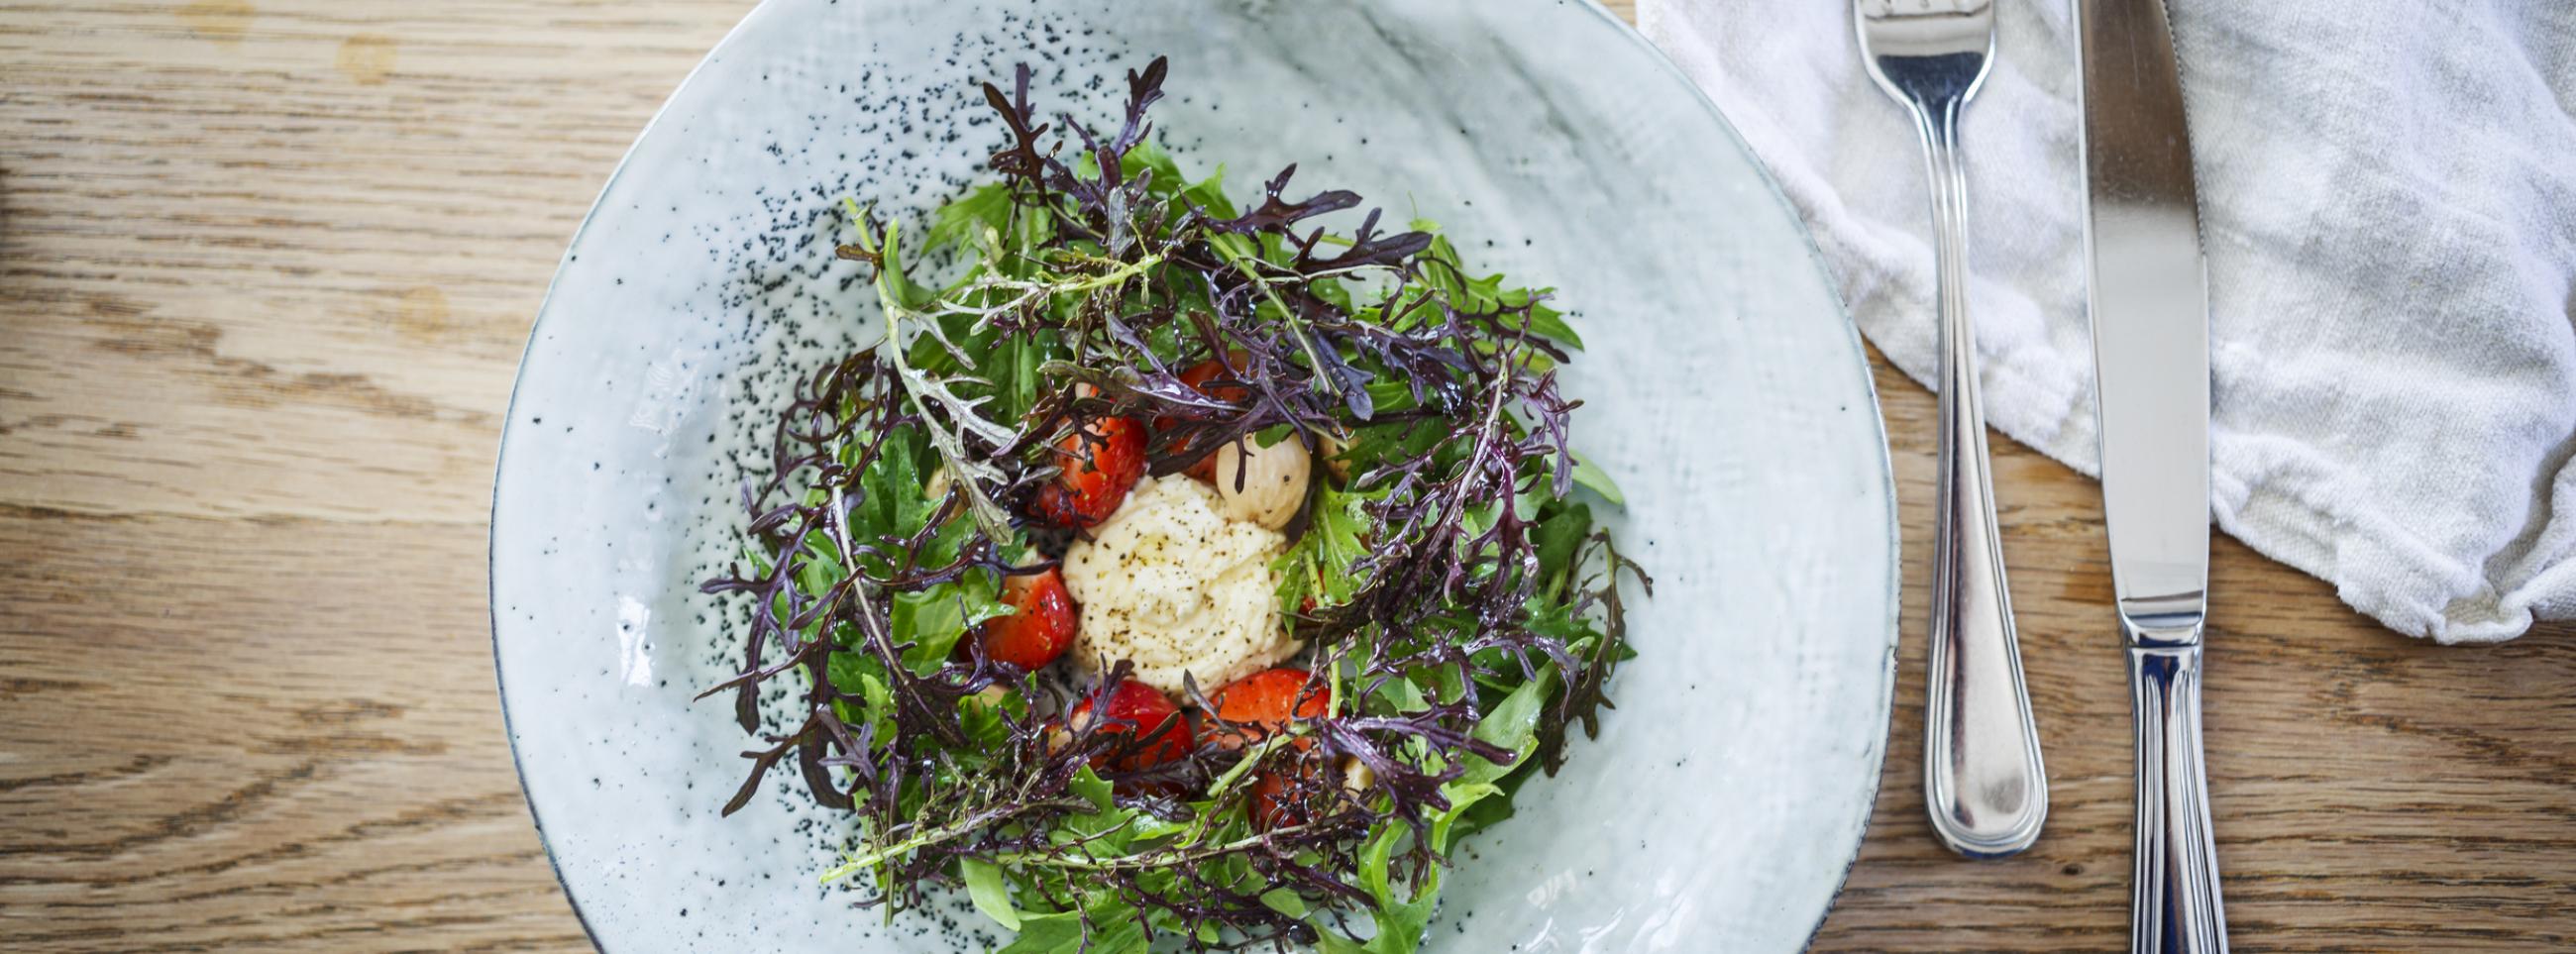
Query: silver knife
[{"x": 2149, "y": 294}]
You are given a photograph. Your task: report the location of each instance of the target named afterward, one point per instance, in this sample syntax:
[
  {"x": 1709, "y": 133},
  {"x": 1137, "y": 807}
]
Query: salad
[{"x": 1181, "y": 572}]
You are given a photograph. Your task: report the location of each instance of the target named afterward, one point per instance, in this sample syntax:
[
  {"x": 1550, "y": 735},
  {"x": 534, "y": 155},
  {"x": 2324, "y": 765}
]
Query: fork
[{"x": 1982, "y": 777}]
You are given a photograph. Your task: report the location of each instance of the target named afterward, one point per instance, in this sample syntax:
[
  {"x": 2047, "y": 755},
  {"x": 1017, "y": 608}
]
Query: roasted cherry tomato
[
  {"x": 1102, "y": 462},
  {"x": 1198, "y": 377},
  {"x": 1262, "y": 703},
  {"x": 1136, "y": 707},
  {"x": 1271, "y": 805},
  {"x": 1040, "y": 627},
  {"x": 1265, "y": 701},
  {"x": 1203, "y": 372}
]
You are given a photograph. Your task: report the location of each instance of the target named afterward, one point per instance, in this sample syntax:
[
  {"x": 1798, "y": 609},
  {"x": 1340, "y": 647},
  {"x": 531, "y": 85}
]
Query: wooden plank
[
  {"x": 267, "y": 733},
  {"x": 265, "y": 270}
]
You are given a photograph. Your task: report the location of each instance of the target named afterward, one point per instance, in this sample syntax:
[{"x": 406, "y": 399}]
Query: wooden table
[{"x": 265, "y": 271}]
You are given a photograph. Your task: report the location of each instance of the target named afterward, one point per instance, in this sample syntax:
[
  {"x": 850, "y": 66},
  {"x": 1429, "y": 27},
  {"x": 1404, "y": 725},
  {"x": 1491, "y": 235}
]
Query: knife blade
[
  {"x": 2150, "y": 301},
  {"x": 2148, "y": 292}
]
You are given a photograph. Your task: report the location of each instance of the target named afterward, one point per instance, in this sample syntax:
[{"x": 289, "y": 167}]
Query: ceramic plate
[{"x": 1724, "y": 389}]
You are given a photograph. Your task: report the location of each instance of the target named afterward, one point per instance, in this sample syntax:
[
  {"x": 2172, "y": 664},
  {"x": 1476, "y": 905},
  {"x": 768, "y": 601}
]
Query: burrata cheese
[{"x": 1172, "y": 584}]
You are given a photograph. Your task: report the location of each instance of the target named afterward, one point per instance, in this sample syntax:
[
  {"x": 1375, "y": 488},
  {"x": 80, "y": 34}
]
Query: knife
[{"x": 2148, "y": 290}]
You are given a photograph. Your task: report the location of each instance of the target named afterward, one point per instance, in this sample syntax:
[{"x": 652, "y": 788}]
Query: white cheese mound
[{"x": 1172, "y": 584}]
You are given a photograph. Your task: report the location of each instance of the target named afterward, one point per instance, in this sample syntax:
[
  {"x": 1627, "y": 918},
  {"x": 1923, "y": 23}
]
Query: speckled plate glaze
[{"x": 1724, "y": 388}]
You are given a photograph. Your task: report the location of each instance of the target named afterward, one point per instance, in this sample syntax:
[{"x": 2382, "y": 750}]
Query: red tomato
[
  {"x": 1265, "y": 701},
  {"x": 1102, "y": 462},
  {"x": 1271, "y": 805},
  {"x": 1136, "y": 707},
  {"x": 1203, "y": 372},
  {"x": 1198, "y": 377},
  {"x": 1039, "y": 629},
  {"x": 1261, "y": 703}
]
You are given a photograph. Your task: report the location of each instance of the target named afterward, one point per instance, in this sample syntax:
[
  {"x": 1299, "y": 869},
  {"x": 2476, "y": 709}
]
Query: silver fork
[{"x": 1982, "y": 778}]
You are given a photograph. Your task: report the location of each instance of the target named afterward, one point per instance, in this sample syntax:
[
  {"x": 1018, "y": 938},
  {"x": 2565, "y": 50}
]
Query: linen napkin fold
[{"x": 2388, "y": 202}]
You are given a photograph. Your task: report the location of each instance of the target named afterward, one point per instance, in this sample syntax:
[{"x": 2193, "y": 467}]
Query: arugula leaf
[
  {"x": 1486, "y": 812},
  {"x": 886, "y": 250},
  {"x": 1319, "y": 565},
  {"x": 933, "y": 619},
  {"x": 1399, "y": 920},
  {"x": 1091, "y": 787},
  {"x": 1112, "y": 929},
  {"x": 1371, "y": 447},
  {"x": 1284, "y": 901},
  {"x": 859, "y": 674},
  {"x": 893, "y": 501},
  {"x": 1512, "y": 725},
  {"x": 1590, "y": 475},
  {"x": 1543, "y": 321},
  {"x": 985, "y": 725},
  {"x": 849, "y": 672},
  {"x": 991, "y": 894},
  {"x": 987, "y": 207},
  {"x": 1327, "y": 941},
  {"x": 1208, "y": 194},
  {"x": 1562, "y": 528},
  {"x": 1401, "y": 696},
  {"x": 1487, "y": 294}
]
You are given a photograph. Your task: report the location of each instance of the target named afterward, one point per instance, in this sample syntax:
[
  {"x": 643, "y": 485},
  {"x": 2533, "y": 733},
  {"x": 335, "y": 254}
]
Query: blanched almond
[{"x": 1263, "y": 485}]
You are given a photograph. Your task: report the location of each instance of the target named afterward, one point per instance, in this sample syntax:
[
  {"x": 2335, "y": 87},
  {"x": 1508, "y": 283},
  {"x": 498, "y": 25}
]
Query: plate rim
[{"x": 1876, "y": 756}]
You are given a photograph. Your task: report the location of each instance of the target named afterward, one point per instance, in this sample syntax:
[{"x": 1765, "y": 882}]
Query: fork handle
[
  {"x": 1983, "y": 781},
  {"x": 2174, "y": 905}
]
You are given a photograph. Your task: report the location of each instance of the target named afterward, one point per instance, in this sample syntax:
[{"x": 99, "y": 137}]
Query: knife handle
[
  {"x": 1983, "y": 782},
  {"x": 2174, "y": 905}
]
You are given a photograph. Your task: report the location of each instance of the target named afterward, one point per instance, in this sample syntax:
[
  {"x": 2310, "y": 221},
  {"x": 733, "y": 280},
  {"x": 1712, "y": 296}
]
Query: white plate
[{"x": 1725, "y": 390}]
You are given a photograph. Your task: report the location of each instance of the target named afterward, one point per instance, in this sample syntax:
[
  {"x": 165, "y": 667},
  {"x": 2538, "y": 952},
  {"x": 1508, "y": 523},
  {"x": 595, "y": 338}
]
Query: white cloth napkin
[{"x": 2388, "y": 195}]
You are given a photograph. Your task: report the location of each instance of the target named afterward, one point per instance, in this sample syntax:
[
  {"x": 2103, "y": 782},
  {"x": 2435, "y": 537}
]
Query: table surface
[{"x": 265, "y": 271}]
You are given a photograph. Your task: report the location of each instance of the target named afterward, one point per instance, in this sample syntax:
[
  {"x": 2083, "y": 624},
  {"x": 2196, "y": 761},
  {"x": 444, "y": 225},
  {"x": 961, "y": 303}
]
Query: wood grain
[{"x": 265, "y": 270}]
